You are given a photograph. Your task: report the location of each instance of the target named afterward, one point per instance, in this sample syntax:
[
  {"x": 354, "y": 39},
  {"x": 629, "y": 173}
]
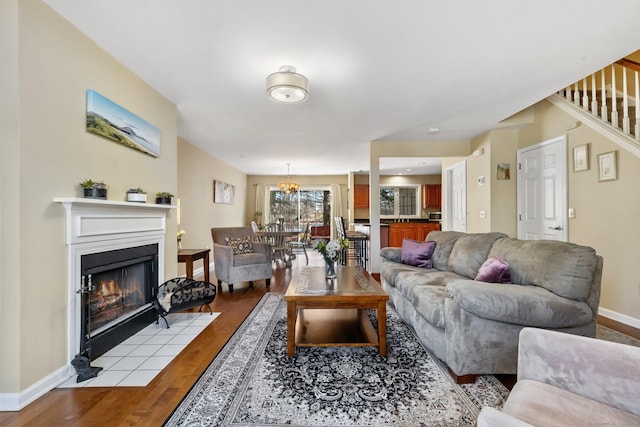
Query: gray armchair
[
  {"x": 237, "y": 257},
  {"x": 568, "y": 380}
]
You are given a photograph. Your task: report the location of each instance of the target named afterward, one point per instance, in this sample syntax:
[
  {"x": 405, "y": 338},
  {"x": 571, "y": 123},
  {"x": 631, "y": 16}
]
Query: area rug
[{"x": 252, "y": 382}]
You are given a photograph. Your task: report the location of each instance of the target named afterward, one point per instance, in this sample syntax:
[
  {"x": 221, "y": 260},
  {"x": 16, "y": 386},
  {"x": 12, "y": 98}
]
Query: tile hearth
[{"x": 136, "y": 361}]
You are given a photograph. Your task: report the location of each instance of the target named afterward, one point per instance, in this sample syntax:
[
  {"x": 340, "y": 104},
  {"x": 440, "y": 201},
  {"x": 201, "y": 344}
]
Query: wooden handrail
[{"x": 629, "y": 64}]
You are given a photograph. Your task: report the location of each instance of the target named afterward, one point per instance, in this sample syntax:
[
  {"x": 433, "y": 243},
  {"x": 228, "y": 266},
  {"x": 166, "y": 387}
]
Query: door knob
[{"x": 557, "y": 228}]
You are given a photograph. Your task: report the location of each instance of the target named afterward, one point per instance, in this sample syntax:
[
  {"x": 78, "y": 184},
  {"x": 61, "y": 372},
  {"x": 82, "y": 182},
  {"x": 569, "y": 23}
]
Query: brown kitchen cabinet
[
  {"x": 361, "y": 196},
  {"x": 410, "y": 230},
  {"x": 431, "y": 196}
]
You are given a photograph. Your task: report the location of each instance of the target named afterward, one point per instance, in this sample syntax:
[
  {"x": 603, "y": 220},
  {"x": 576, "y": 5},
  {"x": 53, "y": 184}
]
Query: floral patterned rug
[{"x": 252, "y": 382}]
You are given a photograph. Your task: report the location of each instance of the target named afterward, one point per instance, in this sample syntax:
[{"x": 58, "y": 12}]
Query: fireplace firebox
[{"x": 117, "y": 288}]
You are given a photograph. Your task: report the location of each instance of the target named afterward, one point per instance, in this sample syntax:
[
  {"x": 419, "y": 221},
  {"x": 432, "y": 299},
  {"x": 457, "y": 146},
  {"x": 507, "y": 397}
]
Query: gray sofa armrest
[
  {"x": 596, "y": 369},
  {"x": 491, "y": 417},
  {"x": 520, "y": 305},
  {"x": 391, "y": 254}
]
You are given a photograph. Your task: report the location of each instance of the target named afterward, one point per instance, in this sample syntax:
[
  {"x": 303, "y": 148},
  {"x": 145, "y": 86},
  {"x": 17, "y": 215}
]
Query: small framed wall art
[
  {"x": 608, "y": 166},
  {"x": 581, "y": 158},
  {"x": 223, "y": 193},
  {"x": 504, "y": 171}
]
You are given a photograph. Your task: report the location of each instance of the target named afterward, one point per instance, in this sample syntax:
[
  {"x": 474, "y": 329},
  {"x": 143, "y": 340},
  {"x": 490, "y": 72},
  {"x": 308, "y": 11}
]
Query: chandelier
[
  {"x": 287, "y": 86},
  {"x": 289, "y": 186}
]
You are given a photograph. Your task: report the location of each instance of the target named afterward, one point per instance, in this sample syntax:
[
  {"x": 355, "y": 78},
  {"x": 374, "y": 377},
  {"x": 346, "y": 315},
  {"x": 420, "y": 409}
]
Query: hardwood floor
[{"x": 151, "y": 405}]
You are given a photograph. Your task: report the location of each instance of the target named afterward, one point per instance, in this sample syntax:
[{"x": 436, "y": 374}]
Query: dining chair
[
  {"x": 274, "y": 234},
  {"x": 302, "y": 243}
]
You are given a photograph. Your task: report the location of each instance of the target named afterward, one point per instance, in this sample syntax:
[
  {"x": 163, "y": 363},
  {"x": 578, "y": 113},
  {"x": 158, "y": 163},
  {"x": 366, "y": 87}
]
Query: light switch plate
[{"x": 572, "y": 213}]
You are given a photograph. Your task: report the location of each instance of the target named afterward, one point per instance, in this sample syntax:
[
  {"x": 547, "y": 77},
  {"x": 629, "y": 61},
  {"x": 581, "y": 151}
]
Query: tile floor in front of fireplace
[{"x": 136, "y": 361}]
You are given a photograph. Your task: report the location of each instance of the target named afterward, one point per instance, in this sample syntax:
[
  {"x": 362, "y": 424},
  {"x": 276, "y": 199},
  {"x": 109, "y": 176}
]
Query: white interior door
[
  {"x": 456, "y": 196},
  {"x": 542, "y": 191}
]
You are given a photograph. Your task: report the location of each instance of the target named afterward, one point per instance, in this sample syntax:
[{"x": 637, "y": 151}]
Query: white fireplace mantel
[
  {"x": 96, "y": 225},
  {"x": 90, "y": 220}
]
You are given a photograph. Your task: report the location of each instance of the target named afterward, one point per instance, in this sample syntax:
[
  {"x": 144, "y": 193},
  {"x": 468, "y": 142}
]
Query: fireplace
[
  {"x": 116, "y": 254},
  {"x": 117, "y": 288}
]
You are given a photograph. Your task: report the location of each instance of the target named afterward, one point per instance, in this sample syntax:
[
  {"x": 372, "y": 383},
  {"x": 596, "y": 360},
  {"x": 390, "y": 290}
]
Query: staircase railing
[{"x": 612, "y": 95}]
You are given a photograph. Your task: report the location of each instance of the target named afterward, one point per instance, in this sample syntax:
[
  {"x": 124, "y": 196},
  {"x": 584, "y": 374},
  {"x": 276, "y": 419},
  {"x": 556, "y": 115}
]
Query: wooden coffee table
[{"x": 322, "y": 312}]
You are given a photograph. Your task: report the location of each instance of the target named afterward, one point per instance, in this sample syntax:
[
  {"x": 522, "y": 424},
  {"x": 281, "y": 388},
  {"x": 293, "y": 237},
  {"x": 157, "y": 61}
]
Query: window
[
  {"x": 399, "y": 202},
  {"x": 311, "y": 206}
]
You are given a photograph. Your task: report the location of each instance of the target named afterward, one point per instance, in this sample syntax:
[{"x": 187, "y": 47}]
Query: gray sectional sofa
[{"x": 473, "y": 326}]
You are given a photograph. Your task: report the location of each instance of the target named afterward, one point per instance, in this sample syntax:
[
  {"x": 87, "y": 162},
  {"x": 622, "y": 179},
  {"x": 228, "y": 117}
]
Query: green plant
[
  {"x": 136, "y": 190},
  {"x": 89, "y": 183},
  {"x": 164, "y": 195}
]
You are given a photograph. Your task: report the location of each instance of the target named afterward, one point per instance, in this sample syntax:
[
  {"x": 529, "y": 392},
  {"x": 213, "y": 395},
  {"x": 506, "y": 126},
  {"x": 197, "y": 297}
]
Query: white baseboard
[
  {"x": 17, "y": 401},
  {"x": 200, "y": 271},
  {"x": 618, "y": 317}
]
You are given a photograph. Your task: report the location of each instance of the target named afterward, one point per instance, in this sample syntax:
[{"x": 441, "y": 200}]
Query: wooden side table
[{"x": 189, "y": 255}]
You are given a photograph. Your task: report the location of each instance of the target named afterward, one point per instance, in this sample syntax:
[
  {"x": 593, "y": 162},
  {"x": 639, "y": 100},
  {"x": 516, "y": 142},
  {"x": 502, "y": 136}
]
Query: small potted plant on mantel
[
  {"x": 93, "y": 189},
  {"x": 164, "y": 198},
  {"x": 137, "y": 195}
]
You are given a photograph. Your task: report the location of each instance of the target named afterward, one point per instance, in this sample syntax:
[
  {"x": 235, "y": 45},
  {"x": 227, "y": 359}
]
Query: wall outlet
[
  {"x": 483, "y": 214},
  {"x": 572, "y": 213}
]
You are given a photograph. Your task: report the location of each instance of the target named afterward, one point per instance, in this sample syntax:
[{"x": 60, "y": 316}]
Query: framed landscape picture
[
  {"x": 581, "y": 158},
  {"x": 223, "y": 193},
  {"x": 108, "y": 119}
]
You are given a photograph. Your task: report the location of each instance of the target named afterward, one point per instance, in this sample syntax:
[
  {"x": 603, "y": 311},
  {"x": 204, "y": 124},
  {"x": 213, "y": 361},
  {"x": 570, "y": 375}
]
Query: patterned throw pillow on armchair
[{"x": 240, "y": 245}]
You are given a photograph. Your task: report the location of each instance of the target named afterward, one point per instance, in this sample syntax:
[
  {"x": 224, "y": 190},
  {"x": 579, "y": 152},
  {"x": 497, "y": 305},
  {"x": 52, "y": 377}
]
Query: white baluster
[
  {"x": 604, "y": 114},
  {"x": 576, "y": 94},
  {"x": 625, "y": 103},
  {"x": 614, "y": 103},
  {"x": 585, "y": 95},
  {"x": 594, "y": 99},
  {"x": 637, "y": 126}
]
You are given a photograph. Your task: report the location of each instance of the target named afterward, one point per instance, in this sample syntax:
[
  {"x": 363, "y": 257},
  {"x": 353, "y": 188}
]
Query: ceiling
[{"x": 384, "y": 70}]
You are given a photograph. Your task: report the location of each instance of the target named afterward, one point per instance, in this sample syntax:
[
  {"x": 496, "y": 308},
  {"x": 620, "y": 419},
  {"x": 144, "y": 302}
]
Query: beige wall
[
  {"x": 10, "y": 309},
  {"x": 504, "y": 143},
  {"x": 198, "y": 214},
  {"x": 57, "y": 64},
  {"x": 479, "y": 196},
  {"x": 606, "y": 212}
]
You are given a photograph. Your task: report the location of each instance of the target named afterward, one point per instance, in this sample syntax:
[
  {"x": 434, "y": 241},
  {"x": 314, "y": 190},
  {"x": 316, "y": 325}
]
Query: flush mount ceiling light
[
  {"x": 287, "y": 86},
  {"x": 289, "y": 187}
]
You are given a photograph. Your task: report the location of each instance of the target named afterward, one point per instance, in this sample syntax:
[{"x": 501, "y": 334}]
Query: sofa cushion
[
  {"x": 428, "y": 301},
  {"x": 239, "y": 245},
  {"x": 417, "y": 253},
  {"x": 520, "y": 305},
  {"x": 542, "y": 404},
  {"x": 389, "y": 271},
  {"x": 426, "y": 292},
  {"x": 444, "y": 245},
  {"x": 566, "y": 269},
  {"x": 470, "y": 251},
  {"x": 494, "y": 270}
]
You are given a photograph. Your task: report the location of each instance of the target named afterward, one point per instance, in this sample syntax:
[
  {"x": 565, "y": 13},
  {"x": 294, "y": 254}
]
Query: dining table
[{"x": 279, "y": 241}]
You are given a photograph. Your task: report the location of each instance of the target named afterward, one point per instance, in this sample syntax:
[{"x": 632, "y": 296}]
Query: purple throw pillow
[
  {"x": 494, "y": 270},
  {"x": 417, "y": 253}
]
